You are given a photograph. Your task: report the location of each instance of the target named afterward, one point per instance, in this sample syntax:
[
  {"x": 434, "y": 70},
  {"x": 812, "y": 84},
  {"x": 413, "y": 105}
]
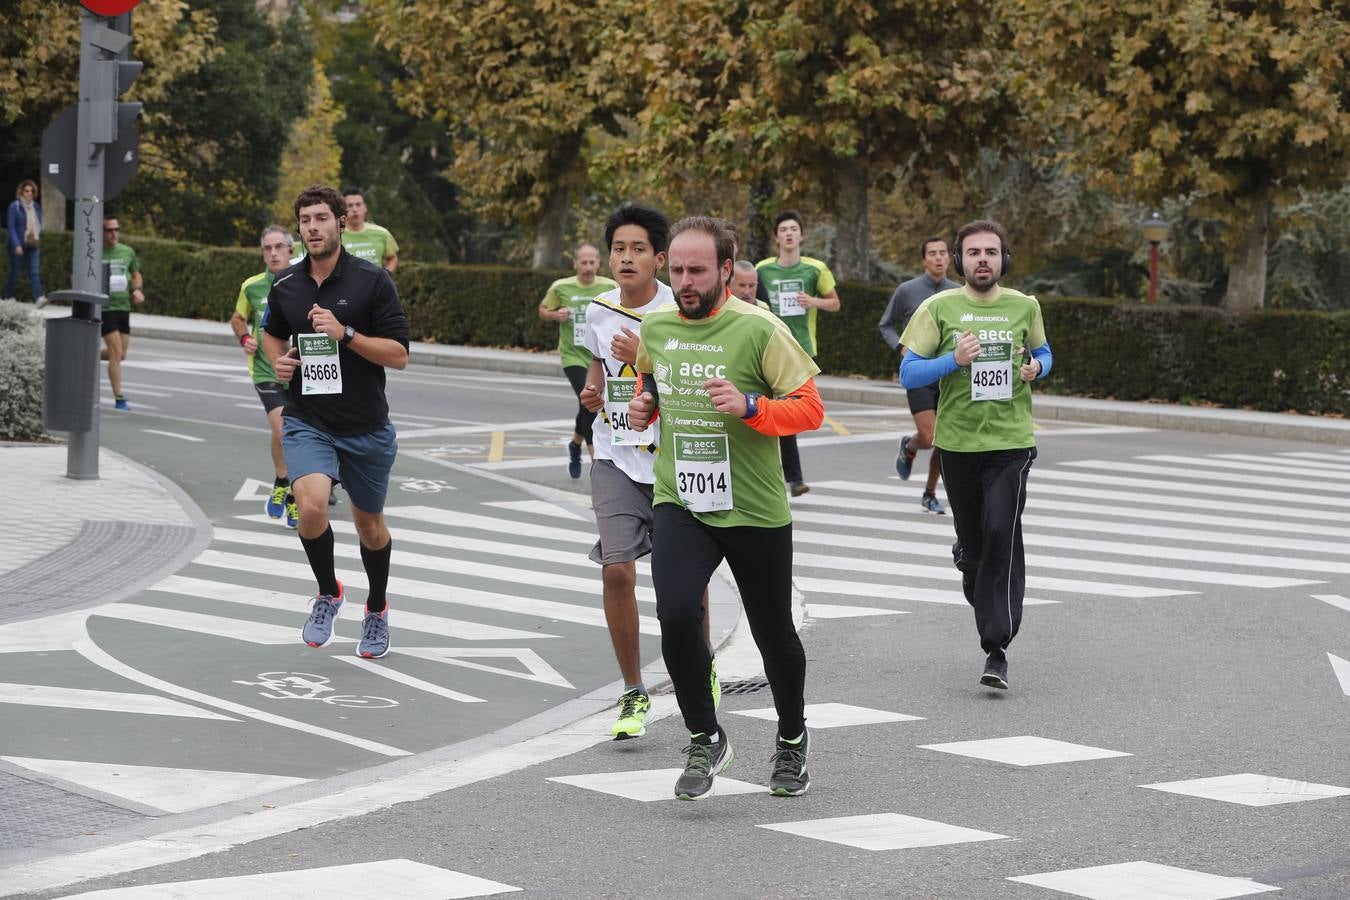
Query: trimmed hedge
[
  {"x": 22, "y": 372},
  {"x": 1269, "y": 359}
]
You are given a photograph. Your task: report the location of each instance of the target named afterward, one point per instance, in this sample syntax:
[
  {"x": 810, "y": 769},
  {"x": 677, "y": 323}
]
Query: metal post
[
  {"x": 87, "y": 267},
  {"x": 1153, "y": 272}
]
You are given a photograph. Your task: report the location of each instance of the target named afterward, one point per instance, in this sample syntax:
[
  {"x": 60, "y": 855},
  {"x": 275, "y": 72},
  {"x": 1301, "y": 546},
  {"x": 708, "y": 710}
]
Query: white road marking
[
  {"x": 101, "y": 658},
  {"x": 1025, "y": 750},
  {"x": 204, "y": 624},
  {"x": 535, "y": 463},
  {"x": 884, "y": 831},
  {"x": 1342, "y": 670},
  {"x": 538, "y": 425},
  {"x": 1143, "y": 881},
  {"x": 1277, "y": 499},
  {"x": 390, "y": 879},
  {"x": 1262, "y": 464},
  {"x": 538, "y": 508},
  {"x": 650, "y": 785},
  {"x": 171, "y": 790},
  {"x": 1286, "y": 481},
  {"x": 1335, "y": 600},
  {"x": 835, "y": 611},
  {"x": 833, "y": 715},
  {"x": 535, "y": 667},
  {"x": 1249, "y": 789},
  {"x": 889, "y": 592},
  {"x": 455, "y": 519},
  {"x": 103, "y": 701},
  {"x": 382, "y": 669}
]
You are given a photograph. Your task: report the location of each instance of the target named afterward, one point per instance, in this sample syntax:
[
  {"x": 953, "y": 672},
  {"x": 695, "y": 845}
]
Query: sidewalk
[{"x": 1285, "y": 426}]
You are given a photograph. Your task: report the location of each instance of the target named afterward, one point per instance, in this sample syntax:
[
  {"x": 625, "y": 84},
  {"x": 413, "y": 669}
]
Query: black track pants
[
  {"x": 986, "y": 493},
  {"x": 576, "y": 376},
  {"x": 792, "y": 458},
  {"x": 684, "y": 557}
]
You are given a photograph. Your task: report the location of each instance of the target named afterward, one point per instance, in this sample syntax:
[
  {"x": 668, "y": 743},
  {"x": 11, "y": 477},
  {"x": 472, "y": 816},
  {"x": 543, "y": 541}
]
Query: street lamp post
[{"x": 1155, "y": 229}]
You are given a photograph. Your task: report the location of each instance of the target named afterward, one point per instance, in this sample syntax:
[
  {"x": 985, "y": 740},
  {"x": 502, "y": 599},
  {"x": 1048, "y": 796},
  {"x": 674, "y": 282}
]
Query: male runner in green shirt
[
  {"x": 366, "y": 240},
  {"x": 729, "y": 379},
  {"x": 124, "y": 289},
  {"x": 984, "y": 343},
  {"x": 566, "y": 302},
  {"x": 797, "y": 286},
  {"x": 250, "y": 308}
]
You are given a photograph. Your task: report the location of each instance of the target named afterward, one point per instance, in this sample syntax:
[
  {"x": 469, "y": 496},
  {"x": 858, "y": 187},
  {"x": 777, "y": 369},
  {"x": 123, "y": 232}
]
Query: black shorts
[
  {"x": 116, "y": 320},
  {"x": 922, "y": 399},
  {"x": 272, "y": 395}
]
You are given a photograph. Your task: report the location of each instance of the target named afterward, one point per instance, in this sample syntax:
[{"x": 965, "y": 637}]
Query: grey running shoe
[
  {"x": 798, "y": 488},
  {"x": 789, "y": 777},
  {"x": 323, "y": 613},
  {"x": 374, "y": 635},
  {"x": 706, "y": 761},
  {"x": 932, "y": 505},
  {"x": 995, "y": 671}
]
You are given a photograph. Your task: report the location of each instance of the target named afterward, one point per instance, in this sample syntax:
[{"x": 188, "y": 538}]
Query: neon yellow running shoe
[
  {"x": 632, "y": 722},
  {"x": 276, "y": 501},
  {"x": 716, "y": 686},
  {"x": 292, "y": 512}
]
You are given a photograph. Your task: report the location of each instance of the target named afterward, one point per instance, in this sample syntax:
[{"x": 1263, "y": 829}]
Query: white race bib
[
  {"x": 320, "y": 365},
  {"x": 618, "y": 391},
  {"x": 703, "y": 471},
  {"x": 789, "y": 305},
  {"x": 117, "y": 282},
  {"x": 991, "y": 373},
  {"x": 578, "y": 314}
]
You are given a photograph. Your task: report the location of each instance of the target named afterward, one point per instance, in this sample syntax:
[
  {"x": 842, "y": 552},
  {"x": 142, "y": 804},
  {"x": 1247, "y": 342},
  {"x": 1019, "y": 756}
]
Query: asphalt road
[{"x": 1189, "y": 623}]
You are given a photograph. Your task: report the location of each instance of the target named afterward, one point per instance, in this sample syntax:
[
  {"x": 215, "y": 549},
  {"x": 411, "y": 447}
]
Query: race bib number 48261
[
  {"x": 703, "y": 471},
  {"x": 991, "y": 373},
  {"x": 320, "y": 365}
]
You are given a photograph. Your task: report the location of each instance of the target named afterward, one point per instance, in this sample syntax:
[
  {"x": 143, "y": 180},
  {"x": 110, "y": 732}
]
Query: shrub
[{"x": 22, "y": 345}]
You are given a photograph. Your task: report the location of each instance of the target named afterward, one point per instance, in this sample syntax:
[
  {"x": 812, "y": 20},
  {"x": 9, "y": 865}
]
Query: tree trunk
[
  {"x": 853, "y": 236},
  {"x": 1247, "y": 275},
  {"x": 757, "y": 245},
  {"x": 548, "y": 236}
]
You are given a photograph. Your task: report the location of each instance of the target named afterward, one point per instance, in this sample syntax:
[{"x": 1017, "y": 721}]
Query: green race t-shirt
[
  {"x": 986, "y": 405},
  {"x": 251, "y": 305},
  {"x": 373, "y": 243},
  {"x": 784, "y": 283},
  {"x": 702, "y": 449},
  {"x": 575, "y": 296},
  {"x": 122, "y": 262}
]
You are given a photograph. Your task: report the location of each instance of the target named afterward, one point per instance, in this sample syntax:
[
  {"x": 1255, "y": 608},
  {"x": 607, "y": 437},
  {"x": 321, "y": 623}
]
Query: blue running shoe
[
  {"x": 292, "y": 512},
  {"x": 904, "y": 460},
  {"x": 932, "y": 505},
  {"x": 573, "y": 459},
  {"x": 121, "y": 403},
  {"x": 374, "y": 635},
  {"x": 276, "y": 501},
  {"x": 318, "y": 630}
]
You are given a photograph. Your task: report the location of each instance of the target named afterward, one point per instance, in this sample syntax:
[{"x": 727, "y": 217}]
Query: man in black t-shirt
[{"x": 333, "y": 324}]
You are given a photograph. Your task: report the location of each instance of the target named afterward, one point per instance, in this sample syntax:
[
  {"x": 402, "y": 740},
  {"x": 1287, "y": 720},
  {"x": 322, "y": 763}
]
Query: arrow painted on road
[
  {"x": 537, "y": 669},
  {"x": 1342, "y": 670},
  {"x": 1335, "y": 600},
  {"x": 253, "y": 489}
]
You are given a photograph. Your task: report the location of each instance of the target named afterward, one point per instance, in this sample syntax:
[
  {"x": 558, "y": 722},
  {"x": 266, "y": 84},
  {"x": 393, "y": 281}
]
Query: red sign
[{"x": 108, "y": 7}]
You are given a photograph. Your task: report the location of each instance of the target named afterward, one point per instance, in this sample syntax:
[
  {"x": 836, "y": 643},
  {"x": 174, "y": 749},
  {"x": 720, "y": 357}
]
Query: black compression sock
[
  {"x": 283, "y": 481},
  {"x": 319, "y": 550},
  {"x": 377, "y": 574}
]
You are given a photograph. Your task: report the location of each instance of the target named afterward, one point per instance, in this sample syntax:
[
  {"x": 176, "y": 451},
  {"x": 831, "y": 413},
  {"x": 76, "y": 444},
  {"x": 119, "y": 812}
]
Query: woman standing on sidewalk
[{"x": 23, "y": 233}]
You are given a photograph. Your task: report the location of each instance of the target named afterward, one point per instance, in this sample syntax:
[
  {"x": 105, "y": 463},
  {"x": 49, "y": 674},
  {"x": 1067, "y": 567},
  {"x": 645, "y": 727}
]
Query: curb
[{"x": 1165, "y": 416}]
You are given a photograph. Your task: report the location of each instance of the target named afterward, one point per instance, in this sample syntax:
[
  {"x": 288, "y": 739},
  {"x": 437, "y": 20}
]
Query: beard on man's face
[
  {"x": 982, "y": 279},
  {"x": 707, "y": 300}
]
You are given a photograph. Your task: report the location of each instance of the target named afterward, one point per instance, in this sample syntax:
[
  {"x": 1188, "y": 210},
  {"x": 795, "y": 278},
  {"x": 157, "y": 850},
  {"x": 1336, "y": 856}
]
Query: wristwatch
[
  {"x": 751, "y": 405},
  {"x": 348, "y": 334}
]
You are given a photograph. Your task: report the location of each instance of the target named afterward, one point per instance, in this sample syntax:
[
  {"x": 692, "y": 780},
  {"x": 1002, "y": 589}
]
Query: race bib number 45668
[{"x": 320, "y": 365}]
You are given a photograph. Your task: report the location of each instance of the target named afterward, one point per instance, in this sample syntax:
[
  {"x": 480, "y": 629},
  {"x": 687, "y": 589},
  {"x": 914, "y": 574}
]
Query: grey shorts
[{"x": 623, "y": 515}]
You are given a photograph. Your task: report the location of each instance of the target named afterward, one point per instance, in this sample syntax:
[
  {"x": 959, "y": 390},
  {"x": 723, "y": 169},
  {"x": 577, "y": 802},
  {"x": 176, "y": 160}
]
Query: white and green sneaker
[{"x": 632, "y": 722}]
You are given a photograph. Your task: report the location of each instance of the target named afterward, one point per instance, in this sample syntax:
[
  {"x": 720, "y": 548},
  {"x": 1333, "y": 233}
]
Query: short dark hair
[
  {"x": 980, "y": 226},
  {"x": 784, "y": 216},
  {"x": 717, "y": 229},
  {"x": 649, "y": 220},
  {"x": 321, "y": 193},
  {"x": 934, "y": 239},
  {"x": 348, "y": 191}
]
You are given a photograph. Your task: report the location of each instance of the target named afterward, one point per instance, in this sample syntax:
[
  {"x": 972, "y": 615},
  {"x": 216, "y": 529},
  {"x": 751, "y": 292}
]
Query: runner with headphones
[{"x": 972, "y": 340}]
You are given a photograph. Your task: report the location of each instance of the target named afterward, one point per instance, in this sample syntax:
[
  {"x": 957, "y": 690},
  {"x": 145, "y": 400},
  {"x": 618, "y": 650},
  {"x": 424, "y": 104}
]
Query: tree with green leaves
[
  {"x": 1231, "y": 106},
  {"x": 526, "y": 83},
  {"x": 824, "y": 99}
]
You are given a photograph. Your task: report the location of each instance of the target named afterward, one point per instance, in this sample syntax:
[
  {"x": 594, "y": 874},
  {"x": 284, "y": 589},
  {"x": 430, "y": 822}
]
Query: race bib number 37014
[
  {"x": 320, "y": 365},
  {"x": 991, "y": 373},
  {"x": 703, "y": 471}
]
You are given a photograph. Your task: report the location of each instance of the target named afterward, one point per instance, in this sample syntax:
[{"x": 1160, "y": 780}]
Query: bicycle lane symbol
[{"x": 305, "y": 686}]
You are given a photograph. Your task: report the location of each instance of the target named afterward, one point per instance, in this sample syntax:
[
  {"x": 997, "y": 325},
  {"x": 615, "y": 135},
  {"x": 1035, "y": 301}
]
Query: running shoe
[
  {"x": 995, "y": 671},
  {"x": 121, "y": 403},
  {"x": 904, "y": 460},
  {"x": 292, "y": 512},
  {"x": 931, "y": 504},
  {"x": 798, "y": 488},
  {"x": 789, "y": 777},
  {"x": 276, "y": 501},
  {"x": 332, "y": 495},
  {"x": 323, "y": 613},
  {"x": 573, "y": 459},
  {"x": 716, "y": 686},
  {"x": 632, "y": 722},
  {"x": 374, "y": 635},
  {"x": 706, "y": 761}
]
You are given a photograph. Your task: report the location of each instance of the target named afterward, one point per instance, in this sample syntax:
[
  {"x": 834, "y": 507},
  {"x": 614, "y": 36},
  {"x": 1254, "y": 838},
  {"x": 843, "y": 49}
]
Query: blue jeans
[{"x": 28, "y": 259}]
